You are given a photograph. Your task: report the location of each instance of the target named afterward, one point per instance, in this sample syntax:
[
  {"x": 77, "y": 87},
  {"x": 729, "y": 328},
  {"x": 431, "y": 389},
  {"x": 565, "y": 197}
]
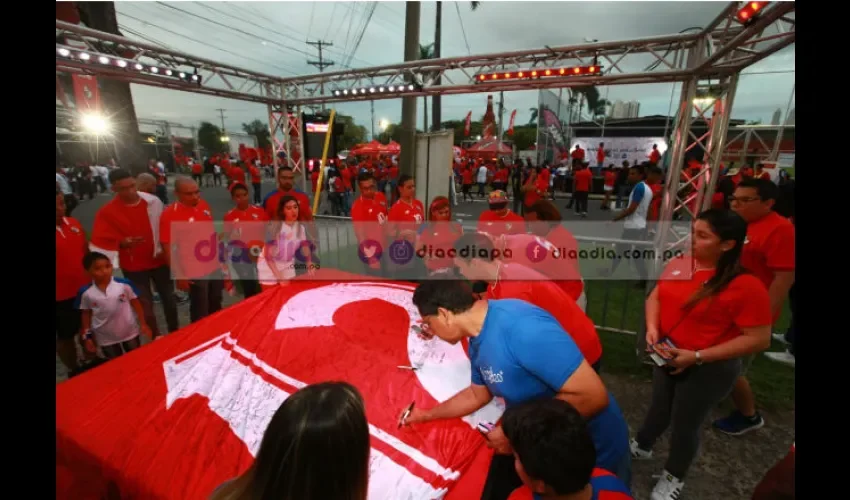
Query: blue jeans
[{"x": 624, "y": 469}]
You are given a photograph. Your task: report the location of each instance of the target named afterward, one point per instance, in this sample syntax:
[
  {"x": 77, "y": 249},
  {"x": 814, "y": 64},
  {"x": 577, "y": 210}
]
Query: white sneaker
[
  {"x": 780, "y": 337},
  {"x": 637, "y": 452},
  {"x": 667, "y": 488},
  {"x": 786, "y": 358}
]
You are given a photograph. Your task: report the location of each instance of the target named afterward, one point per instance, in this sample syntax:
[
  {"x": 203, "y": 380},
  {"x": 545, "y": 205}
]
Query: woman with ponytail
[
  {"x": 437, "y": 237},
  {"x": 714, "y": 313}
]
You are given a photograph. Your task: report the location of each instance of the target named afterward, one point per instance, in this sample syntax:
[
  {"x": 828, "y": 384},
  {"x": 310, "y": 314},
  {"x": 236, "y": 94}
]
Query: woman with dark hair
[
  {"x": 316, "y": 447},
  {"x": 544, "y": 220},
  {"x": 405, "y": 217},
  {"x": 279, "y": 261},
  {"x": 713, "y": 313},
  {"x": 437, "y": 237}
]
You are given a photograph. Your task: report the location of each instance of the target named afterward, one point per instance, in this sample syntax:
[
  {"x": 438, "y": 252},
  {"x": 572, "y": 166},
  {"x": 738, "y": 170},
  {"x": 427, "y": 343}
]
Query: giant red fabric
[{"x": 178, "y": 417}]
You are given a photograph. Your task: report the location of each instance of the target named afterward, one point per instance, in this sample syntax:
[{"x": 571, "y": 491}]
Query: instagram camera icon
[{"x": 401, "y": 251}]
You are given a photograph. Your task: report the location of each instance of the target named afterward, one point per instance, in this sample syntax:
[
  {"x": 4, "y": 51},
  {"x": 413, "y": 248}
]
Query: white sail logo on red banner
[{"x": 245, "y": 390}]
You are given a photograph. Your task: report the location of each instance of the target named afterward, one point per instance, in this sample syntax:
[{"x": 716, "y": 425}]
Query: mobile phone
[
  {"x": 659, "y": 356},
  {"x": 484, "y": 428}
]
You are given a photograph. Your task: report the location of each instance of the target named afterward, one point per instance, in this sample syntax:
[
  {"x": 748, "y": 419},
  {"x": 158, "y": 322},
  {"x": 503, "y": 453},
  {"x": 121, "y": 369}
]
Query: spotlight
[
  {"x": 95, "y": 124},
  {"x": 372, "y": 90},
  {"x": 122, "y": 63},
  {"x": 103, "y": 60},
  {"x": 84, "y": 56},
  {"x": 154, "y": 69},
  {"x": 392, "y": 88},
  {"x": 195, "y": 78},
  {"x": 168, "y": 72},
  {"x": 381, "y": 89},
  {"x": 64, "y": 52},
  {"x": 750, "y": 11},
  {"x": 345, "y": 92},
  {"x": 182, "y": 75},
  {"x": 410, "y": 87},
  {"x": 138, "y": 66},
  {"x": 337, "y": 93},
  {"x": 353, "y": 91}
]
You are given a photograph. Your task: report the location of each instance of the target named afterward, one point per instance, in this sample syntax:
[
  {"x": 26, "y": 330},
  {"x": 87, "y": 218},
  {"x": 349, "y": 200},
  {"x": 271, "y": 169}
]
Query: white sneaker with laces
[
  {"x": 637, "y": 452},
  {"x": 667, "y": 488},
  {"x": 786, "y": 358}
]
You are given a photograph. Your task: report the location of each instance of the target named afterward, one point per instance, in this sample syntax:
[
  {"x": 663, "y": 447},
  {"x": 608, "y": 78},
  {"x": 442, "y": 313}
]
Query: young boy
[
  {"x": 108, "y": 305},
  {"x": 554, "y": 454},
  {"x": 244, "y": 229}
]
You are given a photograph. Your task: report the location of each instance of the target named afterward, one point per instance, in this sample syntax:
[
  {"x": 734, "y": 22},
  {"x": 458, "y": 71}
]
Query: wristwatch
[{"x": 699, "y": 358}]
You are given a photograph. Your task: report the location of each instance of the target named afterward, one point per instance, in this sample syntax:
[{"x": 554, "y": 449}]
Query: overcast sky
[{"x": 493, "y": 27}]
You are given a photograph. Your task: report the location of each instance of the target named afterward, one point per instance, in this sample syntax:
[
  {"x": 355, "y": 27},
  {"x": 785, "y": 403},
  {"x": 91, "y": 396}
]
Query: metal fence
[{"x": 614, "y": 305}]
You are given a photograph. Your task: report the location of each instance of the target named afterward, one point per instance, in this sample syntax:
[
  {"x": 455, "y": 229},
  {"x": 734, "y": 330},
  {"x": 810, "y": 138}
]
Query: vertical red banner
[
  {"x": 86, "y": 93},
  {"x": 468, "y": 123},
  {"x": 511, "y": 126}
]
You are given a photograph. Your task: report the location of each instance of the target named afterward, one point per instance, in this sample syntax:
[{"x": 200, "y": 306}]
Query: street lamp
[
  {"x": 383, "y": 124},
  {"x": 224, "y": 138}
]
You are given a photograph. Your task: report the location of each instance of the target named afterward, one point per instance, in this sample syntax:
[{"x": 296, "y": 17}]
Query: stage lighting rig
[
  {"x": 538, "y": 73},
  {"x": 83, "y": 56},
  {"x": 401, "y": 88}
]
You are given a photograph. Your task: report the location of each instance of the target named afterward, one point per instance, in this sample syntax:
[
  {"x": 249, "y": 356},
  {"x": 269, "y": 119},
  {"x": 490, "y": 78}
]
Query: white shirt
[
  {"x": 482, "y": 174},
  {"x": 216, "y": 169},
  {"x": 643, "y": 196},
  {"x": 112, "y": 317},
  {"x": 64, "y": 185},
  {"x": 289, "y": 241}
]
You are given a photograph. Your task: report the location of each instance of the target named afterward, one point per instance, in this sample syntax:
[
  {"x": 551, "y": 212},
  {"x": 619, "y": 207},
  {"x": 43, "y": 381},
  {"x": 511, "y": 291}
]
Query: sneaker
[
  {"x": 786, "y": 358},
  {"x": 780, "y": 337},
  {"x": 639, "y": 453},
  {"x": 737, "y": 424},
  {"x": 182, "y": 297},
  {"x": 668, "y": 487}
]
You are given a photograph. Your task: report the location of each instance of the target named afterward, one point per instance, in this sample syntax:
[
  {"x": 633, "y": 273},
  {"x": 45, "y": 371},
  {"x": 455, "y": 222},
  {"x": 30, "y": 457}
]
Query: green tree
[
  {"x": 353, "y": 134},
  {"x": 209, "y": 137},
  {"x": 524, "y": 136},
  {"x": 259, "y": 130}
]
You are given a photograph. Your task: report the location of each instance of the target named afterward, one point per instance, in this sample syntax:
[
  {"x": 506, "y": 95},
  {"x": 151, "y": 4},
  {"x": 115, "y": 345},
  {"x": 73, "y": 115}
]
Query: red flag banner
[
  {"x": 86, "y": 93},
  {"x": 511, "y": 125},
  {"x": 178, "y": 417},
  {"x": 468, "y": 125}
]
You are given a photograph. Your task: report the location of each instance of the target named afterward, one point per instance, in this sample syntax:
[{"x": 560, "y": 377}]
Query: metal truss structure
[{"x": 706, "y": 63}]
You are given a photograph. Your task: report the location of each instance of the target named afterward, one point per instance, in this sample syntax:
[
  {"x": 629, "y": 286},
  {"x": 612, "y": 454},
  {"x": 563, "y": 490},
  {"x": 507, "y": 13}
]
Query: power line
[
  {"x": 462, "y": 29},
  {"x": 360, "y": 38},
  {"x": 330, "y": 20},
  {"x": 321, "y": 63},
  {"x": 209, "y": 45},
  {"x": 312, "y": 11}
]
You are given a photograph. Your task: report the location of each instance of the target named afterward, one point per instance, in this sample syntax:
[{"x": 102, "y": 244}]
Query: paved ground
[{"x": 726, "y": 468}]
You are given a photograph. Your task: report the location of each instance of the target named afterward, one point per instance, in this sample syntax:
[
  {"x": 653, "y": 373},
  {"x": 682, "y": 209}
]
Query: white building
[{"x": 621, "y": 109}]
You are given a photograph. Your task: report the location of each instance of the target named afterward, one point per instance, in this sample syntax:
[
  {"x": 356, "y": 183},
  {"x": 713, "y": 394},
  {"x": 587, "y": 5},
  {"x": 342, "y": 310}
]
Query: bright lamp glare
[
  {"x": 64, "y": 52},
  {"x": 95, "y": 124},
  {"x": 139, "y": 67},
  {"x": 84, "y": 56},
  {"x": 182, "y": 75},
  {"x": 194, "y": 78},
  {"x": 103, "y": 60},
  {"x": 122, "y": 64},
  {"x": 168, "y": 72},
  {"x": 154, "y": 69}
]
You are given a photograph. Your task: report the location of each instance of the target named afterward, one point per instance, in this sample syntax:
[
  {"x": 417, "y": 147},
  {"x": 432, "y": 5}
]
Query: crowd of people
[{"x": 563, "y": 434}]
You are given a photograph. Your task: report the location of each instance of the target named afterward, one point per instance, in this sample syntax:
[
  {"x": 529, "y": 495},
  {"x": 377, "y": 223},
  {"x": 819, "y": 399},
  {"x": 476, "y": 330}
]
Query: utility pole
[
  {"x": 408, "y": 104},
  {"x": 321, "y": 63},
  {"x": 221, "y": 113},
  {"x": 436, "y": 101}
]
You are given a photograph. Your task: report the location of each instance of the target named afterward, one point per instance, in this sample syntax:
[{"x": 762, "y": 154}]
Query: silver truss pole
[
  {"x": 774, "y": 154},
  {"x": 716, "y": 144}
]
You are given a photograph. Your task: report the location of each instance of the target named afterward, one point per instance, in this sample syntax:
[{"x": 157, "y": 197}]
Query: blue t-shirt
[{"x": 523, "y": 353}]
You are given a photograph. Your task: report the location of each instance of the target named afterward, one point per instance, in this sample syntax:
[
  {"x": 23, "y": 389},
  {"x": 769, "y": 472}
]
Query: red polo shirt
[
  {"x": 769, "y": 247},
  {"x": 567, "y": 244},
  {"x": 519, "y": 282},
  {"x": 116, "y": 221},
  {"x": 407, "y": 216},
  {"x": 583, "y": 179},
  {"x": 71, "y": 247},
  {"x": 435, "y": 241},
  {"x": 195, "y": 236},
  {"x": 743, "y": 303},
  {"x": 369, "y": 217},
  {"x": 494, "y": 224}
]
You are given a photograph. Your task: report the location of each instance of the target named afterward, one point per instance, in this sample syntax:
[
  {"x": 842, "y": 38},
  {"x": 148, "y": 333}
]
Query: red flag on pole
[
  {"x": 468, "y": 124},
  {"x": 511, "y": 125},
  {"x": 86, "y": 93}
]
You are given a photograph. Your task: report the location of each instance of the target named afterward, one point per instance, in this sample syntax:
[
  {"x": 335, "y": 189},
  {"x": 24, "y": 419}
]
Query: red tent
[
  {"x": 393, "y": 148},
  {"x": 370, "y": 148},
  {"x": 489, "y": 148}
]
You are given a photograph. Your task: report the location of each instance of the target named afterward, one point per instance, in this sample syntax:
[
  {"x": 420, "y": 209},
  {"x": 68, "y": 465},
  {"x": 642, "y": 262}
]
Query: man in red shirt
[
  {"x": 197, "y": 172},
  {"x": 244, "y": 229},
  {"x": 369, "y": 215},
  {"x": 578, "y": 154},
  {"x": 466, "y": 182},
  {"x": 129, "y": 225},
  {"x": 191, "y": 249},
  {"x": 600, "y": 158},
  {"x": 582, "y": 179},
  {"x": 476, "y": 260},
  {"x": 554, "y": 454},
  {"x": 286, "y": 187},
  {"x": 769, "y": 255},
  {"x": 71, "y": 247},
  {"x": 256, "y": 182},
  {"x": 500, "y": 219},
  {"x": 654, "y": 155},
  {"x": 610, "y": 178},
  {"x": 654, "y": 175}
]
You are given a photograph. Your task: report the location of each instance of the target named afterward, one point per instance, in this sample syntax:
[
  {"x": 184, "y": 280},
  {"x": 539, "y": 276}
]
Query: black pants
[
  {"x": 68, "y": 319},
  {"x": 198, "y": 178},
  {"x": 257, "y": 194},
  {"x": 633, "y": 253},
  {"x": 502, "y": 478},
  {"x": 336, "y": 203},
  {"x": 790, "y": 334},
  {"x": 482, "y": 186},
  {"x": 115, "y": 350},
  {"x": 205, "y": 295},
  {"x": 216, "y": 179},
  {"x": 162, "y": 193},
  {"x": 580, "y": 198},
  {"x": 161, "y": 279},
  {"x": 465, "y": 190},
  {"x": 70, "y": 204},
  {"x": 247, "y": 276},
  {"x": 684, "y": 402}
]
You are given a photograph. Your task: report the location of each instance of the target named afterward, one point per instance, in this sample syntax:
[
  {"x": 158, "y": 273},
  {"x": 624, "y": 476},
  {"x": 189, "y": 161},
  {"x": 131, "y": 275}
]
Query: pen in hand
[{"x": 405, "y": 414}]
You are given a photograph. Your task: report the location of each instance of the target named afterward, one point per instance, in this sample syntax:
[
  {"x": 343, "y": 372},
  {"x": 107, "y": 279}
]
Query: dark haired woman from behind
[
  {"x": 316, "y": 447},
  {"x": 714, "y": 313}
]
